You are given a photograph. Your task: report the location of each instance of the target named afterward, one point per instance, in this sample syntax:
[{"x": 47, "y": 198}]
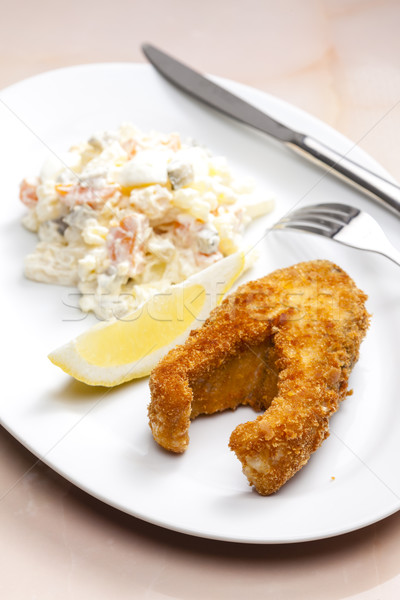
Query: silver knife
[{"x": 192, "y": 82}]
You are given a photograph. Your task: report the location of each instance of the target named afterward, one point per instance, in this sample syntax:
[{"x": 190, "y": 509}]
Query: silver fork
[{"x": 342, "y": 223}]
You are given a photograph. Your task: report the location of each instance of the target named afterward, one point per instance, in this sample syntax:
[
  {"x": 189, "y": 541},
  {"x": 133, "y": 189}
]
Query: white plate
[{"x": 99, "y": 439}]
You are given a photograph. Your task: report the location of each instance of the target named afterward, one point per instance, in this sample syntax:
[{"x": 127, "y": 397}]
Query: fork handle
[
  {"x": 387, "y": 193},
  {"x": 392, "y": 254}
]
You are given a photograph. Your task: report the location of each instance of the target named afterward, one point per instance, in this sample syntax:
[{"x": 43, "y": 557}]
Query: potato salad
[{"x": 126, "y": 214}]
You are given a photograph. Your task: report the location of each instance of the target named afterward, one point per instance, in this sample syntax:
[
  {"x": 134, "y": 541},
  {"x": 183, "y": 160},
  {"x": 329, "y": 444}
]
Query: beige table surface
[{"x": 337, "y": 59}]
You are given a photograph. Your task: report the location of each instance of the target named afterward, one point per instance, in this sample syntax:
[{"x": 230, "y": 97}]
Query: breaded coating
[{"x": 284, "y": 344}]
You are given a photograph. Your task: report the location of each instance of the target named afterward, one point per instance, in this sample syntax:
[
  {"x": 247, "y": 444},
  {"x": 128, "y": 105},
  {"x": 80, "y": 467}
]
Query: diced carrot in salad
[{"x": 27, "y": 192}]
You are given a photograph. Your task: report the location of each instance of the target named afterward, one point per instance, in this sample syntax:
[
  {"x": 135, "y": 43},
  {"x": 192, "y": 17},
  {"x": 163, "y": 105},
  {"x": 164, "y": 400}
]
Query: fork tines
[
  {"x": 342, "y": 223},
  {"x": 322, "y": 219}
]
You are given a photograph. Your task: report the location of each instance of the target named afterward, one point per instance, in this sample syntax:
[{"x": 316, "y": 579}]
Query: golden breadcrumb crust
[{"x": 285, "y": 344}]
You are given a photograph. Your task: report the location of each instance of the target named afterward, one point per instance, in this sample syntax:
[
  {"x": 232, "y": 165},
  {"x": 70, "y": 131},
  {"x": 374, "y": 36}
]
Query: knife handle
[{"x": 381, "y": 189}]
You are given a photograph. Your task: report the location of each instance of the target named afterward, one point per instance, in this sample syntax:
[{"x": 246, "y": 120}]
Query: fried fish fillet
[{"x": 284, "y": 344}]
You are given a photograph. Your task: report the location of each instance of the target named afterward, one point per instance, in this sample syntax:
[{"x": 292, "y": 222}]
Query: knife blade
[{"x": 219, "y": 98}]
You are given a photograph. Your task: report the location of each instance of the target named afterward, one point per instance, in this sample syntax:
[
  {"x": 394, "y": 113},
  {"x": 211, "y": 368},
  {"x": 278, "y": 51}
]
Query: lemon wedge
[{"x": 119, "y": 350}]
